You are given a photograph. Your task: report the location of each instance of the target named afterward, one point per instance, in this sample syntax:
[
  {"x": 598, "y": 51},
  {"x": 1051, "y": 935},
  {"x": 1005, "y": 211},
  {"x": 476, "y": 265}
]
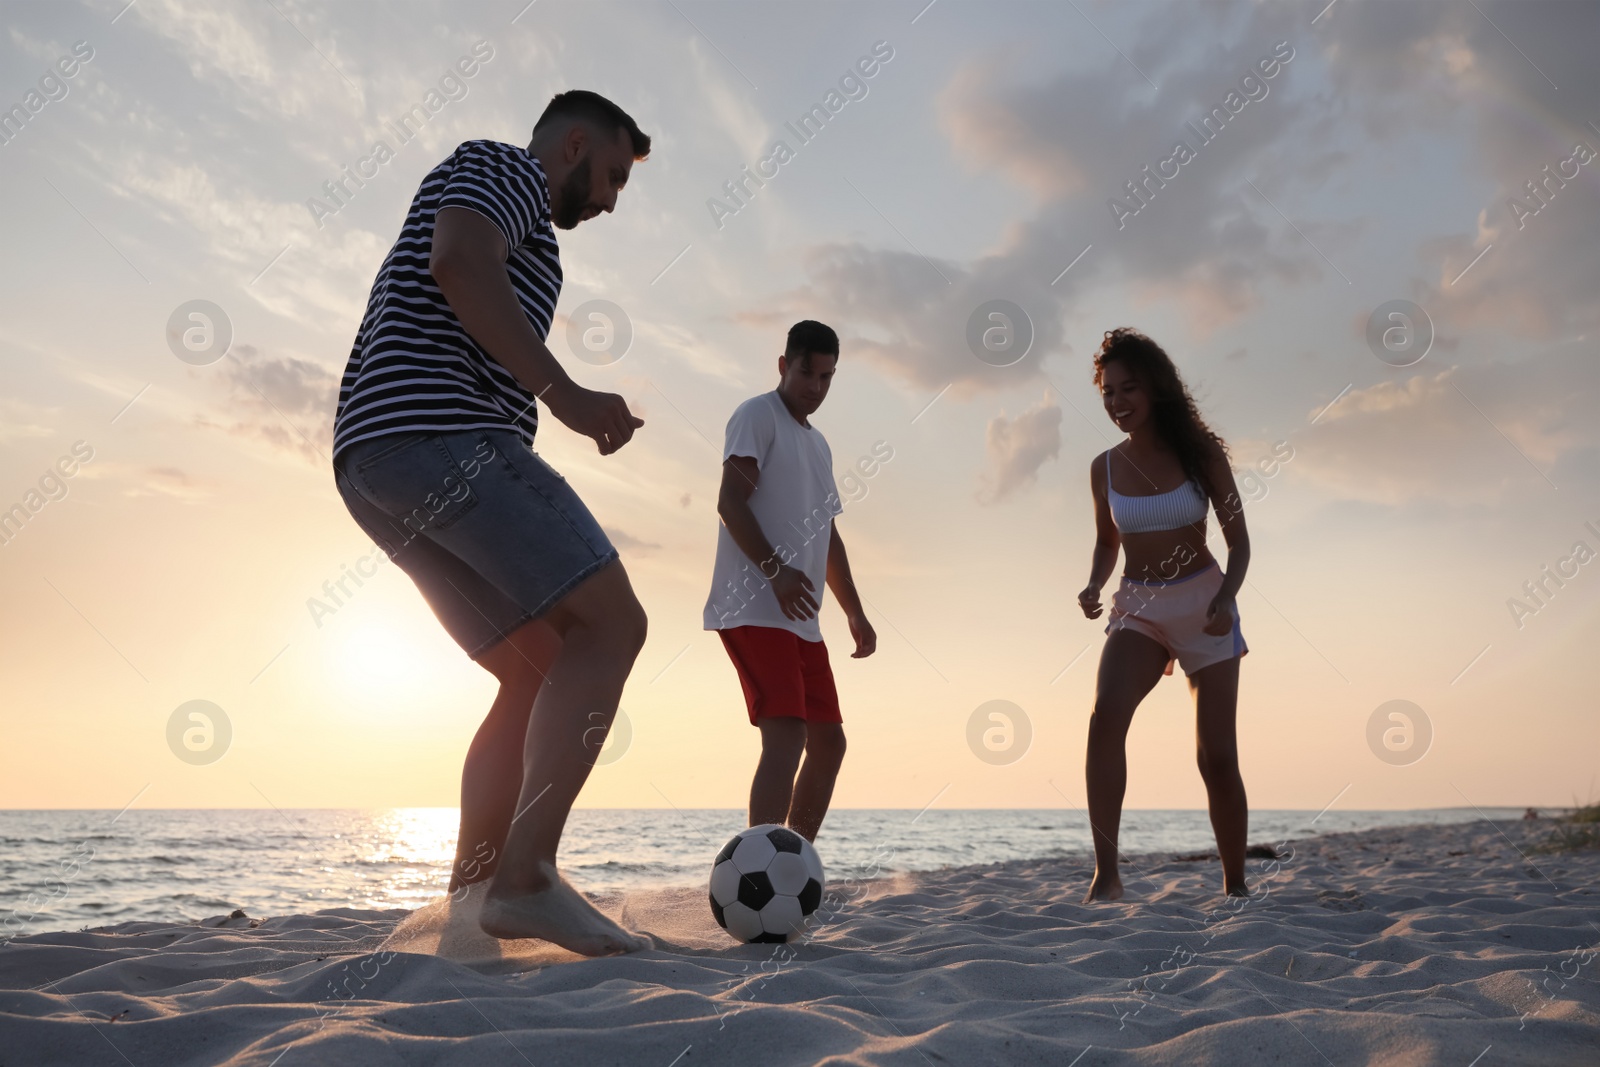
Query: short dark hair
[
  {"x": 808, "y": 336},
  {"x": 598, "y": 111}
]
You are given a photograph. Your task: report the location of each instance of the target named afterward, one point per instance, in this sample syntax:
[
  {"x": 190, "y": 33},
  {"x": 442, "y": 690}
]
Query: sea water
[{"x": 65, "y": 870}]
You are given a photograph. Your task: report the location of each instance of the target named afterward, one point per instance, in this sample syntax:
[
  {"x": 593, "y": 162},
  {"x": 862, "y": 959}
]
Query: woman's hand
[
  {"x": 1089, "y": 601},
  {"x": 1220, "y": 617}
]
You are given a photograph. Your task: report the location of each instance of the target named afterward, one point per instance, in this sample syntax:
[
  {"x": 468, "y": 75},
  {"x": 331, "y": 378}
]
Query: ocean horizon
[{"x": 81, "y": 868}]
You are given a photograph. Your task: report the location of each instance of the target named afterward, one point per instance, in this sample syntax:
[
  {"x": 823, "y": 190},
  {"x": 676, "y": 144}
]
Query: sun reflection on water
[
  {"x": 413, "y": 835},
  {"x": 407, "y": 853}
]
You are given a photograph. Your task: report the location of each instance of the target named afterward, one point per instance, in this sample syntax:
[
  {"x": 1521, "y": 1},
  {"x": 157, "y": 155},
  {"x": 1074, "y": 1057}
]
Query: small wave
[
  {"x": 199, "y": 900},
  {"x": 612, "y": 866},
  {"x": 404, "y": 861}
]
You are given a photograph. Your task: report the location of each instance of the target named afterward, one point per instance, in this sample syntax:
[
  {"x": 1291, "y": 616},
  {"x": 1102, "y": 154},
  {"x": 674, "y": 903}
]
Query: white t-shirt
[{"x": 794, "y": 503}]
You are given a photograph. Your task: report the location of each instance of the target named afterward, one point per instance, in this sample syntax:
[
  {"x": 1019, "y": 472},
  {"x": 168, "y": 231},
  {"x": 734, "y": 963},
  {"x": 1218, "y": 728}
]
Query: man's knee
[
  {"x": 606, "y": 605},
  {"x": 522, "y": 659},
  {"x": 633, "y": 626},
  {"x": 825, "y": 742},
  {"x": 783, "y": 739}
]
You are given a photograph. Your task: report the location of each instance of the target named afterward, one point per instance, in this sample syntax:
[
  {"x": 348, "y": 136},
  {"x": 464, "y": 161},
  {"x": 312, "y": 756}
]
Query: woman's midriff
[{"x": 1166, "y": 555}]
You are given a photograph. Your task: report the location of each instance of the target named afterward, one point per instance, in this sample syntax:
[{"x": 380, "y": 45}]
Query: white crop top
[{"x": 1159, "y": 511}]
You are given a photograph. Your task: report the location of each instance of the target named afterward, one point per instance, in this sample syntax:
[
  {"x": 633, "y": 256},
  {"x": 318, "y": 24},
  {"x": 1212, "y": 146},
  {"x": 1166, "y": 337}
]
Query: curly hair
[{"x": 1172, "y": 410}]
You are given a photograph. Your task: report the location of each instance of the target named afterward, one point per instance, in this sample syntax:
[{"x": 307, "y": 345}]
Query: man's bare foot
[
  {"x": 1104, "y": 888},
  {"x": 1238, "y": 889},
  {"x": 558, "y": 914}
]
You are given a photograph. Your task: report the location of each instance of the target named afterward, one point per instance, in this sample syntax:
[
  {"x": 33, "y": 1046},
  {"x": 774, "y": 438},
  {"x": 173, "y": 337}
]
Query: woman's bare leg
[
  {"x": 1216, "y": 700},
  {"x": 1130, "y": 665}
]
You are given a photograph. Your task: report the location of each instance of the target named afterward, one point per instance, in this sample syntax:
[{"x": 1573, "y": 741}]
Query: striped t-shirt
[{"x": 413, "y": 366}]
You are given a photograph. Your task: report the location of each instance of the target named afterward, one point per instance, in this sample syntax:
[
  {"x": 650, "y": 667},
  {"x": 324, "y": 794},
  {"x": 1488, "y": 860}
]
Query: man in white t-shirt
[{"x": 776, "y": 547}]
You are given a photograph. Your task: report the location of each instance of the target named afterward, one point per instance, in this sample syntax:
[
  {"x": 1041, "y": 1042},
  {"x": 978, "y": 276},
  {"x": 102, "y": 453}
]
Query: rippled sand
[{"x": 1421, "y": 945}]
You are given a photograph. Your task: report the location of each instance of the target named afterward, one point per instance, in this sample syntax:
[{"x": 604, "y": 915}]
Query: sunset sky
[{"x": 987, "y": 157}]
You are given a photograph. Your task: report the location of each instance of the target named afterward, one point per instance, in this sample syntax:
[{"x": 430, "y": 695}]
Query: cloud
[
  {"x": 245, "y": 117},
  {"x": 165, "y": 481},
  {"x": 316, "y": 277},
  {"x": 1017, "y": 448},
  {"x": 1461, "y": 435},
  {"x": 148, "y": 480},
  {"x": 286, "y": 402},
  {"x": 626, "y": 542},
  {"x": 1207, "y": 243},
  {"x": 1204, "y": 242},
  {"x": 16, "y": 421},
  {"x": 258, "y": 58},
  {"x": 729, "y": 101},
  {"x": 1538, "y": 279},
  {"x": 981, "y": 125}
]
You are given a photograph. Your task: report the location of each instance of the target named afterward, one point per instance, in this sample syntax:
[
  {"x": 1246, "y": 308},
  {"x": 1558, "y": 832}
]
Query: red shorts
[{"x": 782, "y": 674}]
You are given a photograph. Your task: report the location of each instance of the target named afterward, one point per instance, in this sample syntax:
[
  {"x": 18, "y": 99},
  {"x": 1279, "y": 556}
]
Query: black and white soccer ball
[{"x": 765, "y": 884}]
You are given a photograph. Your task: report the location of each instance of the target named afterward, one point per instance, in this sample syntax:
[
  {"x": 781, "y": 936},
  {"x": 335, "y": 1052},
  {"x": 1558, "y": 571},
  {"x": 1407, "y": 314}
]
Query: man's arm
[
  {"x": 843, "y": 585},
  {"x": 792, "y": 588},
  {"x": 467, "y": 262}
]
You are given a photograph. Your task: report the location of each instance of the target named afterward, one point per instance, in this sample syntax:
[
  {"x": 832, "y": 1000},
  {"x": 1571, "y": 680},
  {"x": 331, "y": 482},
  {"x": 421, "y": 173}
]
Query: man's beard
[{"x": 574, "y": 198}]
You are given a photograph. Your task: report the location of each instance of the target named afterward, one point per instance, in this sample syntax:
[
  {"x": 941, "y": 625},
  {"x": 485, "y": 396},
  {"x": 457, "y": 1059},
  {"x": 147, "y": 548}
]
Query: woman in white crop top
[{"x": 1174, "y": 603}]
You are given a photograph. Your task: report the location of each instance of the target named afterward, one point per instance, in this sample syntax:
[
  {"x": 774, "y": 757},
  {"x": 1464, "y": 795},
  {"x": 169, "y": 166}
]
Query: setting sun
[{"x": 378, "y": 657}]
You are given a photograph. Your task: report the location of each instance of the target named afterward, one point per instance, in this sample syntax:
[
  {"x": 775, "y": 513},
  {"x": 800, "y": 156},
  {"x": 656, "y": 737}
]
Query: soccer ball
[{"x": 765, "y": 884}]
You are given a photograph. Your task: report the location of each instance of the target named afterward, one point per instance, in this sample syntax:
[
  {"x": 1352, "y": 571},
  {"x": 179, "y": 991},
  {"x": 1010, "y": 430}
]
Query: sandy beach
[{"x": 1419, "y": 945}]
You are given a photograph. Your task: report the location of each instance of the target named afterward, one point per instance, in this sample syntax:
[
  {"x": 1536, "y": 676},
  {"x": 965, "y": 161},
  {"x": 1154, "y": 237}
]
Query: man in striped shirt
[{"x": 433, "y": 456}]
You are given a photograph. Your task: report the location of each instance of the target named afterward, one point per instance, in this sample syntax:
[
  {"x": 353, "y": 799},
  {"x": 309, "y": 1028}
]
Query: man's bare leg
[
  {"x": 813, "y": 789},
  {"x": 783, "y": 739},
  {"x": 491, "y": 779},
  {"x": 602, "y": 628}
]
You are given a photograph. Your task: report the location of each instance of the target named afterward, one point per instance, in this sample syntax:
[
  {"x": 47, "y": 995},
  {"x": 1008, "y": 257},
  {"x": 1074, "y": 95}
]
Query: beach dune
[{"x": 1420, "y": 945}]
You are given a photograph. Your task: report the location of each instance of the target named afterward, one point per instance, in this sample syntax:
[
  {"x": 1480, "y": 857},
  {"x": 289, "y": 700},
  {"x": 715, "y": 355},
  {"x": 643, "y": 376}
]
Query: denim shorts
[{"x": 488, "y": 530}]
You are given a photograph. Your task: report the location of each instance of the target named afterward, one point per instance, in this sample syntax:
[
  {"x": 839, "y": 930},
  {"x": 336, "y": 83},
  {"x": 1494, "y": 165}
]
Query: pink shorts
[{"x": 1172, "y": 613}]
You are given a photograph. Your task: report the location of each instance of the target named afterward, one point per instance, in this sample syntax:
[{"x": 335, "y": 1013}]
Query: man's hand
[
  {"x": 795, "y": 593},
  {"x": 603, "y": 417},
  {"x": 866, "y": 637},
  {"x": 1089, "y": 601},
  {"x": 1220, "y": 617}
]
